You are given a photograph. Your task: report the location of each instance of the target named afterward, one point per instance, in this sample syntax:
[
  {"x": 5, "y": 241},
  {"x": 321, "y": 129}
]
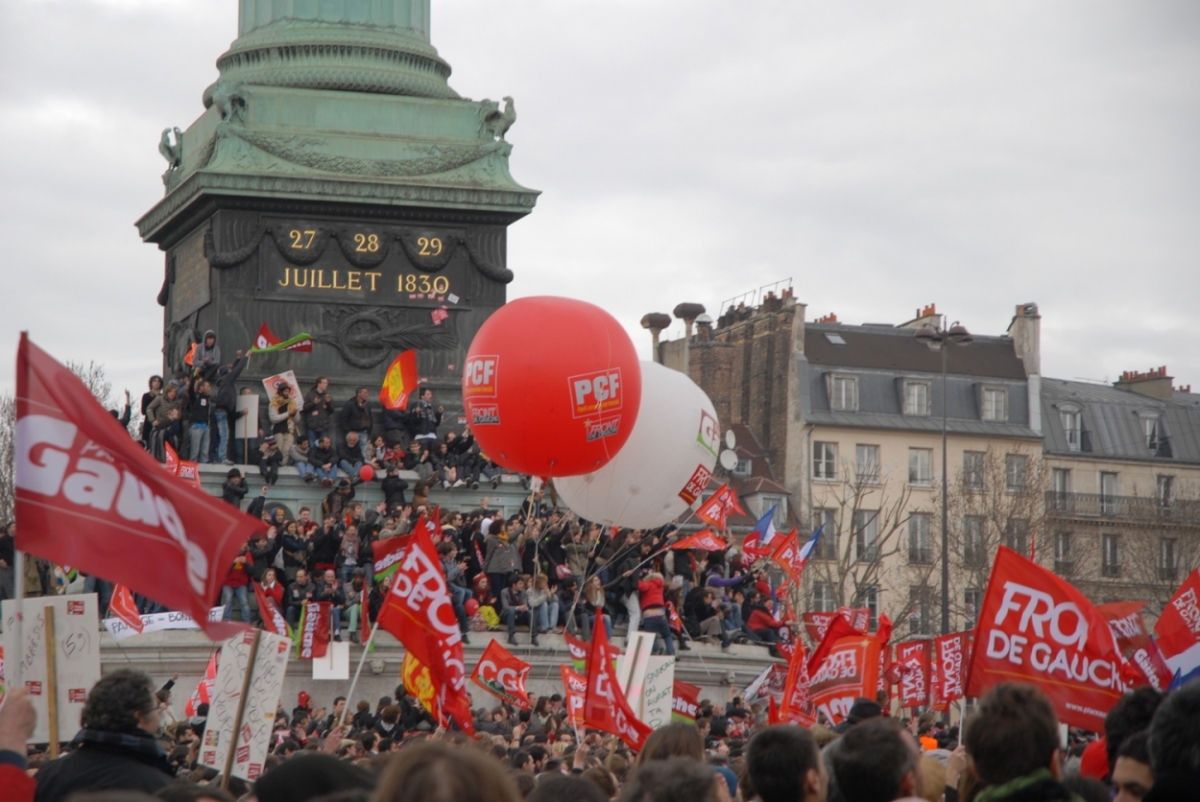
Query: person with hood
[
  {"x": 116, "y": 748},
  {"x": 207, "y": 355},
  {"x": 225, "y": 405},
  {"x": 234, "y": 489},
  {"x": 283, "y": 412}
]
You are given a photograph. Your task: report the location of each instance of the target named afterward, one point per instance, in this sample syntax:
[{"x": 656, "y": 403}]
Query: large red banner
[
  {"x": 796, "y": 705},
  {"x": 605, "y": 707},
  {"x": 419, "y": 612},
  {"x": 912, "y": 665},
  {"x": 849, "y": 670},
  {"x": 88, "y": 496},
  {"x": 1145, "y": 662},
  {"x": 1178, "y": 627},
  {"x": 1038, "y": 628},
  {"x": 314, "y": 631},
  {"x": 502, "y": 674}
]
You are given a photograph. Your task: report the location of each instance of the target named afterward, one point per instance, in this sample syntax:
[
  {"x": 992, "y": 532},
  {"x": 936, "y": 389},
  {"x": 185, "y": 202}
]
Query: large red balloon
[
  {"x": 471, "y": 606},
  {"x": 366, "y": 473},
  {"x": 552, "y": 386}
]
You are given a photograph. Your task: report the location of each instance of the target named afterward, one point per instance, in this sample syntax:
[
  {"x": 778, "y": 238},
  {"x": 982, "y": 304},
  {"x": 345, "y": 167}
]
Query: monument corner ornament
[{"x": 336, "y": 184}]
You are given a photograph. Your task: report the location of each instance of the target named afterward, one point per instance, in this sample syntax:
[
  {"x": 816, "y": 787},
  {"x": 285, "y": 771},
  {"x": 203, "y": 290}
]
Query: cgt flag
[
  {"x": 122, "y": 607},
  {"x": 503, "y": 675},
  {"x": 399, "y": 381},
  {"x": 417, "y": 610},
  {"x": 88, "y": 496},
  {"x": 1038, "y": 628}
]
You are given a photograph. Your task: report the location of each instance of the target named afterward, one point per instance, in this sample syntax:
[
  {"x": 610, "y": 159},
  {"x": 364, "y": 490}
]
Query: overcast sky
[{"x": 882, "y": 156}]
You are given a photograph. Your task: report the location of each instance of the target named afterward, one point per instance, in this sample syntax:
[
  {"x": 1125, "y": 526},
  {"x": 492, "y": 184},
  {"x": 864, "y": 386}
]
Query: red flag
[
  {"x": 172, "y": 463},
  {"x": 839, "y": 628},
  {"x": 1178, "y": 627},
  {"x": 503, "y": 675},
  {"x": 704, "y": 539},
  {"x": 685, "y": 702},
  {"x": 399, "y": 381},
  {"x": 386, "y": 555},
  {"x": 419, "y": 612},
  {"x": 203, "y": 692},
  {"x": 1036, "y": 627},
  {"x": 797, "y": 705},
  {"x": 314, "y": 631},
  {"x": 579, "y": 650},
  {"x": 122, "y": 606},
  {"x": 1151, "y": 667},
  {"x": 720, "y": 505},
  {"x": 88, "y": 496},
  {"x": 815, "y": 624},
  {"x": 787, "y": 556},
  {"x": 952, "y": 654},
  {"x": 1125, "y": 621},
  {"x": 574, "y": 692},
  {"x": 772, "y": 712},
  {"x": 912, "y": 663},
  {"x": 605, "y": 707},
  {"x": 272, "y": 618},
  {"x": 850, "y": 670}
]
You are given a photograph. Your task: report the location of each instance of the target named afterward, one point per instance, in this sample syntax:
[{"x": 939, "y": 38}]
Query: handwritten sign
[
  {"x": 77, "y": 654},
  {"x": 156, "y": 622},
  {"x": 253, "y": 737},
  {"x": 658, "y": 692}
]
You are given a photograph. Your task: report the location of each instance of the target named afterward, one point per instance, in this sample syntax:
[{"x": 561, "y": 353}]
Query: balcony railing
[
  {"x": 1064, "y": 568},
  {"x": 1129, "y": 508}
]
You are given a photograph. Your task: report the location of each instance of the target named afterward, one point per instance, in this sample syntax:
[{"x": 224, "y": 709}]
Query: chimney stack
[
  {"x": 688, "y": 312},
  {"x": 656, "y": 322},
  {"x": 1154, "y": 383}
]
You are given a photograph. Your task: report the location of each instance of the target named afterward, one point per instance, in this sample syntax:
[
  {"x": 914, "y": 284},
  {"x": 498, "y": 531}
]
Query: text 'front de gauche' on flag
[
  {"x": 1178, "y": 629},
  {"x": 400, "y": 381},
  {"x": 1038, "y": 628},
  {"x": 418, "y": 611},
  {"x": 88, "y": 496},
  {"x": 266, "y": 342}
]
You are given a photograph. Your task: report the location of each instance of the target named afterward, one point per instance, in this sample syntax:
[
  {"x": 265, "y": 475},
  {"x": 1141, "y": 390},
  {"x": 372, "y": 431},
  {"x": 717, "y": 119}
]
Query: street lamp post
[{"x": 938, "y": 339}]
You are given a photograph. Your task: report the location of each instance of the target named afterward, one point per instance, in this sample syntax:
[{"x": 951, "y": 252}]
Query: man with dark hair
[
  {"x": 878, "y": 761},
  {"x": 1132, "y": 713},
  {"x": 1175, "y": 746},
  {"x": 679, "y": 779},
  {"x": 1131, "y": 775},
  {"x": 1013, "y": 742},
  {"x": 355, "y": 416},
  {"x": 785, "y": 766},
  {"x": 116, "y": 748}
]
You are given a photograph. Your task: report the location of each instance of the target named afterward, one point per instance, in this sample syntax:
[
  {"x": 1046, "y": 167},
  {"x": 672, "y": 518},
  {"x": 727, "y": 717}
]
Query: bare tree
[
  {"x": 865, "y": 519},
  {"x": 996, "y": 498},
  {"x": 94, "y": 378}
]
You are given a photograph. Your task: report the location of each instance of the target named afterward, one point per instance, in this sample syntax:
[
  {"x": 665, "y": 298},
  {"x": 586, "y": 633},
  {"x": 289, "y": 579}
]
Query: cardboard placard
[
  {"x": 77, "y": 656},
  {"x": 335, "y": 664},
  {"x": 253, "y": 736},
  {"x": 658, "y": 692},
  {"x": 249, "y": 421}
]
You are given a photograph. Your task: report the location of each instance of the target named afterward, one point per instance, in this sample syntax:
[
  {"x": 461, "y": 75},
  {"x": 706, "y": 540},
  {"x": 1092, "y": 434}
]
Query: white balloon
[{"x": 675, "y": 441}]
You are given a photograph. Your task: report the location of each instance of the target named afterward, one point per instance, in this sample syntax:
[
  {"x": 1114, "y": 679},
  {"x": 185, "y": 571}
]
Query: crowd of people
[{"x": 131, "y": 742}]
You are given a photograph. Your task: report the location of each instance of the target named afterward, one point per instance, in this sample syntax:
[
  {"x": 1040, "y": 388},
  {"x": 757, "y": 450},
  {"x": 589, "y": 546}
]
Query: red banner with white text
[
  {"x": 1038, "y": 628},
  {"x": 502, "y": 674},
  {"x": 605, "y": 707},
  {"x": 951, "y": 654},
  {"x": 574, "y": 693},
  {"x": 912, "y": 665},
  {"x": 848, "y": 671},
  {"x": 89, "y": 496}
]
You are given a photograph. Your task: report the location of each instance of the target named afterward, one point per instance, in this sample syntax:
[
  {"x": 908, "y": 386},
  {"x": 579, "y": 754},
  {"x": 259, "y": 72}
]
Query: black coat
[
  {"x": 353, "y": 418},
  {"x": 101, "y": 767},
  {"x": 225, "y": 396}
]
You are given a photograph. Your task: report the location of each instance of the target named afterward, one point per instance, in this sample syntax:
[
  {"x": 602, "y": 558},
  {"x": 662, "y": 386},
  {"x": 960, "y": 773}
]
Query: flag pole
[
  {"x": 15, "y": 678},
  {"x": 357, "y": 672}
]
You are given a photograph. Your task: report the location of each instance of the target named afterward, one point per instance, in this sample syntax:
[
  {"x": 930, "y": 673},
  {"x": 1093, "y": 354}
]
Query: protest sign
[
  {"x": 244, "y": 724},
  {"x": 334, "y": 664},
  {"x": 156, "y": 622},
  {"x": 76, "y": 657},
  {"x": 245, "y": 427},
  {"x": 658, "y": 692}
]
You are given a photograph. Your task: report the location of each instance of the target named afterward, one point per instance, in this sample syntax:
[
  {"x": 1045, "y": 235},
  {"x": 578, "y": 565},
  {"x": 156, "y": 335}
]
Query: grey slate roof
[
  {"x": 1111, "y": 424},
  {"x": 895, "y": 349},
  {"x": 881, "y": 359}
]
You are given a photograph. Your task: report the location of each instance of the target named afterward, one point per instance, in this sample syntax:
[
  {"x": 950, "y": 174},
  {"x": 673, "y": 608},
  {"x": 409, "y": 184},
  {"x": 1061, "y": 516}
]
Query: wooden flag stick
[
  {"x": 51, "y": 679},
  {"x": 241, "y": 710}
]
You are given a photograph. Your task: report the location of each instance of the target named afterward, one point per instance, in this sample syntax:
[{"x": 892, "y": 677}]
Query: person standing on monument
[
  {"x": 207, "y": 355},
  {"x": 424, "y": 420},
  {"x": 283, "y": 413},
  {"x": 318, "y": 411},
  {"x": 224, "y": 406},
  {"x": 355, "y": 416},
  {"x": 200, "y": 412}
]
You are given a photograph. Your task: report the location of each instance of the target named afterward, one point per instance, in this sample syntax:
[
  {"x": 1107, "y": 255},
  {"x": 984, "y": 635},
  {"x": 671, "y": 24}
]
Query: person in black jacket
[
  {"x": 355, "y": 416},
  {"x": 330, "y": 590},
  {"x": 224, "y": 404},
  {"x": 318, "y": 411},
  {"x": 234, "y": 489},
  {"x": 424, "y": 420},
  {"x": 116, "y": 749},
  {"x": 393, "y": 487},
  {"x": 156, "y": 388},
  {"x": 323, "y": 459},
  {"x": 200, "y": 412}
]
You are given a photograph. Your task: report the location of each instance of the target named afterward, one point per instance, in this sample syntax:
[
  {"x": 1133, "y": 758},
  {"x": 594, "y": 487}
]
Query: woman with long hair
[{"x": 593, "y": 605}]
